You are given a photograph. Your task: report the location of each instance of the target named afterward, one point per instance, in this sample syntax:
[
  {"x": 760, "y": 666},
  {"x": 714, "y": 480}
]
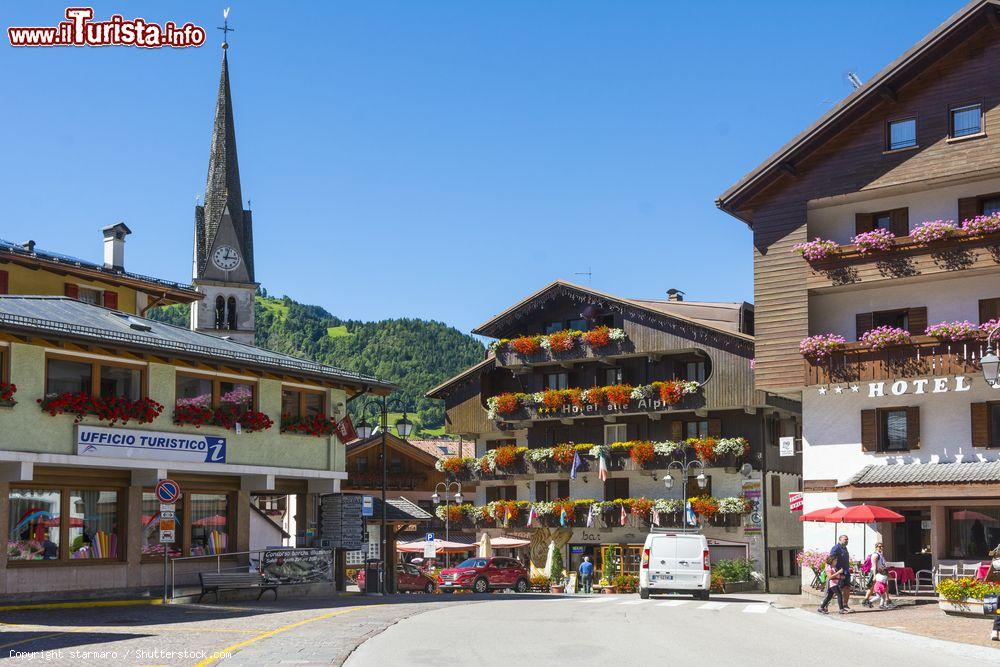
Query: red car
[
  {"x": 483, "y": 574},
  {"x": 409, "y": 578}
]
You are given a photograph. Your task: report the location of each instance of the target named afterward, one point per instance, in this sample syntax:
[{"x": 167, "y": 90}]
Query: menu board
[{"x": 341, "y": 521}]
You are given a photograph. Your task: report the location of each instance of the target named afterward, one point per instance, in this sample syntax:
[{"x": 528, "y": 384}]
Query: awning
[
  {"x": 972, "y": 472},
  {"x": 439, "y": 545},
  {"x": 508, "y": 543}
]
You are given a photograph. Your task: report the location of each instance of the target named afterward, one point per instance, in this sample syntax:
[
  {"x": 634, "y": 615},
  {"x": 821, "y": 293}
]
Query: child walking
[
  {"x": 833, "y": 579},
  {"x": 880, "y": 591}
]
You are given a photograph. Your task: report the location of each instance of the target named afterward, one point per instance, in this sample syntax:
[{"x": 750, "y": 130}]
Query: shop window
[
  {"x": 34, "y": 517},
  {"x": 64, "y": 523},
  {"x": 966, "y": 120},
  {"x": 149, "y": 537},
  {"x": 210, "y": 392},
  {"x": 557, "y": 380},
  {"x": 92, "y": 377},
  {"x": 616, "y": 487},
  {"x": 973, "y": 532},
  {"x": 120, "y": 381},
  {"x": 615, "y": 433},
  {"x": 209, "y": 514},
  {"x": 508, "y": 492},
  {"x": 547, "y": 491}
]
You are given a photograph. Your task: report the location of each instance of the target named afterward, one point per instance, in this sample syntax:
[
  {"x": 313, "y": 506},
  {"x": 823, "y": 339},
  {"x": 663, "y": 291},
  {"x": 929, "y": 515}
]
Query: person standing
[
  {"x": 833, "y": 578},
  {"x": 586, "y": 570},
  {"x": 843, "y": 558}
]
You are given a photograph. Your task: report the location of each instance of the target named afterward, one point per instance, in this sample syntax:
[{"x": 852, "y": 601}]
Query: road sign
[
  {"x": 786, "y": 446},
  {"x": 430, "y": 551},
  {"x": 167, "y": 514},
  {"x": 367, "y": 506},
  {"x": 168, "y": 491},
  {"x": 167, "y": 537},
  {"x": 168, "y": 524},
  {"x": 429, "y": 537}
]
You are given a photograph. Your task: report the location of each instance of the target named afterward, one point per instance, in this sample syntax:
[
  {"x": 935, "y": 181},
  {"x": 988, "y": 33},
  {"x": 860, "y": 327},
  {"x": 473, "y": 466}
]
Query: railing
[
  {"x": 239, "y": 565},
  {"x": 511, "y": 358},
  {"x": 636, "y": 406},
  {"x": 926, "y": 356},
  {"x": 396, "y": 481}
]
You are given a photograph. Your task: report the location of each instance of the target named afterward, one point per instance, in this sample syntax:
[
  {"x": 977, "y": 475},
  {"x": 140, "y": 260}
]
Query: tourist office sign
[{"x": 149, "y": 445}]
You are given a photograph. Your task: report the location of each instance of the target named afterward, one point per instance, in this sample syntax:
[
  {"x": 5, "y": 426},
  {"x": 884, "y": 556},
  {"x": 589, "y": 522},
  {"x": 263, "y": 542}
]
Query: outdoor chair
[
  {"x": 945, "y": 572},
  {"x": 969, "y": 569},
  {"x": 893, "y": 577},
  {"x": 925, "y": 577}
]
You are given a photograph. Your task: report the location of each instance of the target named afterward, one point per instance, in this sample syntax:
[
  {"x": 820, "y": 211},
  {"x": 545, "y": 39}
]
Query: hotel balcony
[
  {"x": 926, "y": 356},
  {"x": 515, "y": 361},
  {"x": 653, "y": 407}
]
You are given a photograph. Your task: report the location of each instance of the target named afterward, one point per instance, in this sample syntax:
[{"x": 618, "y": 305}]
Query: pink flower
[
  {"x": 982, "y": 224},
  {"x": 816, "y": 249},
  {"x": 821, "y": 346},
  {"x": 877, "y": 240},
  {"x": 935, "y": 230},
  {"x": 882, "y": 337},
  {"x": 954, "y": 331}
]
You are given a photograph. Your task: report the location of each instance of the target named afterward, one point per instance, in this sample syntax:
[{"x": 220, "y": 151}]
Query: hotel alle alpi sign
[{"x": 149, "y": 445}]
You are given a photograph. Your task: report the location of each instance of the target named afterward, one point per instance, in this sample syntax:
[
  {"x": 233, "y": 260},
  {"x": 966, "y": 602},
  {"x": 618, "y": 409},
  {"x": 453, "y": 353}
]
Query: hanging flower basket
[{"x": 815, "y": 250}]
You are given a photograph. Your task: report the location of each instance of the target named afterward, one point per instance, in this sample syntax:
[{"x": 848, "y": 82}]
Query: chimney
[
  {"x": 114, "y": 245},
  {"x": 674, "y": 294},
  {"x": 29, "y": 246}
]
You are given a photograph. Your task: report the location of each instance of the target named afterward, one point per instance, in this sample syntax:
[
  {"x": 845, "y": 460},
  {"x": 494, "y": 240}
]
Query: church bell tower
[{"x": 223, "y": 235}]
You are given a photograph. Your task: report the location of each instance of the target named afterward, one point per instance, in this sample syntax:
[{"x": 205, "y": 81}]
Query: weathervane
[{"x": 225, "y": 28}]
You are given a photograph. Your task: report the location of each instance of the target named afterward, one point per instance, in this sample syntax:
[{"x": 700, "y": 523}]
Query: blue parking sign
[{"x": 429, "y": 537}]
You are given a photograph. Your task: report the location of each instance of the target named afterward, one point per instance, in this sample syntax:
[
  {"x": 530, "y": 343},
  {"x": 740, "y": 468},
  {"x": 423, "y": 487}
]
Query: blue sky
[{"x": 437, "y": 159}]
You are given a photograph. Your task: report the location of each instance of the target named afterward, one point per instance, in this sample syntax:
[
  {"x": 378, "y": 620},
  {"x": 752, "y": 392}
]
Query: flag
[
  {"x": 624, "y": 515},
  {"x": 532, "y": 515},
  {"x": 602, "y": 468},
  {"x": 562, "y": 517},
  {"x": 689, "y": 514},
  {"x": 590, "y": 517},
  {"x": 656, "y": 517},
  {"x": 576, "y": 464}
]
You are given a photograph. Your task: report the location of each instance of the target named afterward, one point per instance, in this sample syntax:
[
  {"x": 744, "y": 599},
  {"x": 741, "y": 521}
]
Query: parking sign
[{"x": 429, "y": 537}]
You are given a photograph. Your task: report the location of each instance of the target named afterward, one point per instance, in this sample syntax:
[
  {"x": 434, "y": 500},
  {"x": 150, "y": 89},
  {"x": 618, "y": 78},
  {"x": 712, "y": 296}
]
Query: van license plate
[{"x": 663, "y": 577}]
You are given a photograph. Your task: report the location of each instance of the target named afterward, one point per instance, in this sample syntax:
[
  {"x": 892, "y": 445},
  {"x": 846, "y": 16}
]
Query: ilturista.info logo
[{"x": 81, "y": 30}]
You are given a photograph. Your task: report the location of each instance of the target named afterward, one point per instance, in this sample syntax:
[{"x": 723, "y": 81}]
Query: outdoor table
[{"x": 903, "y": 575}]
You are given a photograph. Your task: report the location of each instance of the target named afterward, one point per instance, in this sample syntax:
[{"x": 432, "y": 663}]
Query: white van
[{"x": 675, "y": 563}]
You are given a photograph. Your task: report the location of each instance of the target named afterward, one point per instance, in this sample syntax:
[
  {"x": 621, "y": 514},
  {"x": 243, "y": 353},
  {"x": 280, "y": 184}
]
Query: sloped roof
[
  {"x": 62, "y": 316},
  {"x": 483, "y": 365},
  {"x": 399, "y": 444},
  {"x": 442, "y": 449},
  {"x": 972, "y": 472},
  {"x": 883, "y": 84}
]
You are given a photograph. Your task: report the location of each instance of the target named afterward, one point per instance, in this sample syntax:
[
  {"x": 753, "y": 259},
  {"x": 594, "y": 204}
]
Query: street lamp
[
  {"x": 377, "y": 407},
  {"x": 443, "y": 489},
  {"x": 684, "y": 465},
  {"x": 989, "y": 361}
]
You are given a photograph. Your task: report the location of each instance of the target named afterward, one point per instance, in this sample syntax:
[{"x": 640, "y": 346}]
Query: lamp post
[
  {"x": 684, "y": 465},
  {"x": 377, "y": 407},
  {"x": 989, "y": 361},
  {"x": 443, "y": 489}
]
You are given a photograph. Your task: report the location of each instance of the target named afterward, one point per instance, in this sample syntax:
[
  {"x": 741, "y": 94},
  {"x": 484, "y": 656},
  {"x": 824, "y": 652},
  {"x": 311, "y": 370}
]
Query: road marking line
[
  {"x": 232, "y": 648},
  {"x": 597, "y": 600},
  {"x": 33, "y": 639},
  {"x": 672, "y": 603},
  {"x": 713, "y": 605},
  {"x": 755, "y": 609},
  {"x": 81, "y": 605}
]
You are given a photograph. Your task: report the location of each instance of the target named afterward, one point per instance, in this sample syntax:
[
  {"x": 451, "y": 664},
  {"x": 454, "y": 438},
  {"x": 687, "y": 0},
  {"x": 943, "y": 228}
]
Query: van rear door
[
  {"x": 662, "y": 558},
  {"x": 690, "y": 565}
]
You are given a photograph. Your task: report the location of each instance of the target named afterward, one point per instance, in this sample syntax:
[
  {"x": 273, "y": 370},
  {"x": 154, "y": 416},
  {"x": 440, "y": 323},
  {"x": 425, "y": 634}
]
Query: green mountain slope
[{"x": 416, "y": 354}]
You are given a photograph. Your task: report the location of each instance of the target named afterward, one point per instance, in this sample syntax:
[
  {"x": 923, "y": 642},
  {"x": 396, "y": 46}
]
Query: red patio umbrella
[
  {"x": 819, "y": 515},
  {"x": 214, "y": 520},
  {"x": 865, "y": 514},
  {"x": 970, "y": 515}
]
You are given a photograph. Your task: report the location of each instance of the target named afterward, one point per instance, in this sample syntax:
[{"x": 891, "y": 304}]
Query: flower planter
[
  {"x": 965, "y": 607},
  {"x": 609, "y": 590},
  {"x": 557, "y": 589}
]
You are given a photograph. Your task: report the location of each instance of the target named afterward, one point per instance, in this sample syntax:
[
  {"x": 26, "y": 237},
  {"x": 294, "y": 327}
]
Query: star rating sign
[
  {"x": 838, "y": 390},
  {"x": 822, "y": 391},
  {"x": 855, "y": 388}
]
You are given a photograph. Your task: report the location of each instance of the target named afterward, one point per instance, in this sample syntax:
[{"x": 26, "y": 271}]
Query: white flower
[
  {"x": 491, "y": 408},
  {"x": 598, "y": 450},
  {"x": 540, "y": 454},
  {"x": 667, "y": 505},
  {"x": 616, "y": 334},
  {"x": 489, "y": 457},
  {"x": 546, "y": 344},
  {"x": 439, "y": 465},
  {"x": 475, "y": 513},
  {"x": 732, "y": 505},
  {"x": 727, "y": 446},
  {"x": 542, "y": 509},
  {"x": 440, "y": 511},
  {"x": 690, "y": 386},
  {"x": 641, "y": 391},
  {"x": 665, "y": 448},
  {"x": 538, "y": 398}
]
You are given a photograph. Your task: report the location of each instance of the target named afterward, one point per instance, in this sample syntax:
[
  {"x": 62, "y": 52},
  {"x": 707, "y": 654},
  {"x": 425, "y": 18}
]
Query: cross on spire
[{"x": 225, "y": 28}]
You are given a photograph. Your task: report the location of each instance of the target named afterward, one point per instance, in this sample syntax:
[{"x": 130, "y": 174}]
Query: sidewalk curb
[
  {"x": 955, "y": 649},
  {"x": 81, "y": 604}
]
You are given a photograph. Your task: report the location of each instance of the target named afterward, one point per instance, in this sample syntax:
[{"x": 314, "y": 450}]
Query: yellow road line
[
  {"x": 32, "y": 639},
  {"x": 81, "y": 605},
  {"x": 218, "y": 655}
]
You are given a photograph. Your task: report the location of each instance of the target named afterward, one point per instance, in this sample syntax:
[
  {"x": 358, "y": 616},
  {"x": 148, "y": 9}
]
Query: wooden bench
[{"x": 213, "y": 582}]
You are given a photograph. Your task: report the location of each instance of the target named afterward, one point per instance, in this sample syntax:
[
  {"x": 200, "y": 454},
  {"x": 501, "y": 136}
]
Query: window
[
  {"x": 991, "y": 206},
  {"x": 553, "y": 327},
  {"x": 613, "y": 376},
  {"x": 220, "y": 312},
  {"x": 209, "y": 392},
  {"x": 396, "y": 465},
  {"x": 695, "y": 371},
  {"x": 605, "y": 321},
  {"x": 696, "y": 429},
  {"x": 693, "y": 490},
  {"x": 38, "y": 530},
  {"x": 238, "y": 394},
  {"x": 91, "y": 296},
  {"x": 302, "y": 403},
  {"x": 547, "y": 491},
  {"x": 616, "y": 487},
  {"x": 775, "y": 491},
  {"x": 972, "y": 532},
  {"x": 892, "y": 318},
  {"x": 231, "y": 313},
  {"x": 892, "y": 429},
  {"x": 508, "y": 492},
  {"x": 882, "y": 221},
  {"x": 194, "y": 391},
  {"x": 577, "y": 325},
  {"x": 902, "y": 133},
  {"x": 361, "y": 464},
  {"x": 93, "y": 377},
  {"x": 994, "y": 412},
  {"x": 615, "y": 433},
  {"x": 209, "y": 523},
  {"x": 966, "y": 120},
  {"x": 557, "y": 380}
]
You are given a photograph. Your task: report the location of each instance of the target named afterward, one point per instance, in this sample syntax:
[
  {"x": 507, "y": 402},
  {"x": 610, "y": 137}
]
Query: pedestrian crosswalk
[{"x": 700, "y": 605}]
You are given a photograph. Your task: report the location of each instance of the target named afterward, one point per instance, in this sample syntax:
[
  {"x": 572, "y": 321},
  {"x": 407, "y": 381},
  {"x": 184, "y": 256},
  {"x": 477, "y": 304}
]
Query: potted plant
[
  {"x": 610, "y": 574},
  {"x": 539, "y": 583},
  {"x": 964, "y": 597},
  {"x": 556, "y": 574}
]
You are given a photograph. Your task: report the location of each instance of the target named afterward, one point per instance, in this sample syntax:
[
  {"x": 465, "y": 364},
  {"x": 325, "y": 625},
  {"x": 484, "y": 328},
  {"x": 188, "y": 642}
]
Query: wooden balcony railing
[
  {"x": 508, "y": 358},
  {"x": 926, "y": 356}
]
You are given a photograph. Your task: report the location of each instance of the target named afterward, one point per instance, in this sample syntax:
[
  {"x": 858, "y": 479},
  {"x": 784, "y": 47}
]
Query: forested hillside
[{"x": 413, "y": 353}]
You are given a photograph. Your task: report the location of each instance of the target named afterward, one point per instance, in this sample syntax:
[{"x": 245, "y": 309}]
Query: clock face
[{"x": 226, "y": 258}]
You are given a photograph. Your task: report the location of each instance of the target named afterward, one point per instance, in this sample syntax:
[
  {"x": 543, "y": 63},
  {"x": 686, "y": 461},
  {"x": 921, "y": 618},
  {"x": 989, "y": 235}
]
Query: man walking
[
  {"x": 843, "y": 563},
  {"x": 586, "y": 574}
]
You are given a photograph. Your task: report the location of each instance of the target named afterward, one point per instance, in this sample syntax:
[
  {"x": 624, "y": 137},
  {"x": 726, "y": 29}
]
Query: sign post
[
  {"x": 786, "y": 446},
  {"x": 167, "y": 492}
]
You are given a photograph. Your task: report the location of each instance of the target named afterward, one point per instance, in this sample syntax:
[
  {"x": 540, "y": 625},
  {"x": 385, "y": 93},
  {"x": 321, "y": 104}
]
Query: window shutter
[
  {"x": 111, "y": 300},
  {"x": 563, "y": 488},
  {"x": 609, "y": 489},
  {"x": 541, "y": 492},
  {"x": 715, "y": 428},
  {"x": 989, "y": 309},
  {"x": 913, "y": 427},
  {"x": 72, "y": 291},
  {"x": 968, "y": 207},
  {"x": 677, "y": 430},
  {"x": 4, "y": 282},
  {"x": 900, "y": 221},
  {"x": 864, "y": 322},
  {"x": 775, "y": 491},
  {"x": 917, "y": 319},
  {"x": 869, "y": 431},
  {"x": 863, "y": 222},
  {"x": 980, "y": 424}
]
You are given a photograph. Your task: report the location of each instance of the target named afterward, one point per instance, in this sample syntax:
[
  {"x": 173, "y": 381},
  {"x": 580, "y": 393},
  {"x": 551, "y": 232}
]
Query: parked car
[
  {"x": 675, "y": 563},
  {"x": 409, "y": 579},
  {"x": 483, "y": 574}
]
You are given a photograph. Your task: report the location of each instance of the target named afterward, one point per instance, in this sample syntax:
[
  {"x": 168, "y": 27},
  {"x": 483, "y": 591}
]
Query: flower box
[
  {"x": 964, "y": 607},
  {"x": 112, "y": 410}
]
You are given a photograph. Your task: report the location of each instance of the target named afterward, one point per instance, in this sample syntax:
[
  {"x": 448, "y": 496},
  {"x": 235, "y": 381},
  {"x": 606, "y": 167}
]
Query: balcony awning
[{"x": 971, "y": 472}]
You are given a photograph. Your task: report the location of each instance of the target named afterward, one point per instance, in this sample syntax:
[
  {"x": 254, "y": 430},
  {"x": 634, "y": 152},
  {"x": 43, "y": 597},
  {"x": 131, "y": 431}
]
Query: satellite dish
[
  {"x": 746, "y": 470},
  {"x": 589, "y": 313}
]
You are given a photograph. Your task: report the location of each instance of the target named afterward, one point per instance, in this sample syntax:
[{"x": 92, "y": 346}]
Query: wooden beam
[
  {"x": 887, "y": 93},
  {"x": 789, "y": 169}
]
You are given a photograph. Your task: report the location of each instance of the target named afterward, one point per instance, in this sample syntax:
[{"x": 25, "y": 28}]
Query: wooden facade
[{"x": 842, "y": 158}]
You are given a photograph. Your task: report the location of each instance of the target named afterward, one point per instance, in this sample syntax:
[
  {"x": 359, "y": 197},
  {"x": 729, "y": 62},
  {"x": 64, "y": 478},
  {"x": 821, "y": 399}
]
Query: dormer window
[{"x": 902, "y": 134}]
